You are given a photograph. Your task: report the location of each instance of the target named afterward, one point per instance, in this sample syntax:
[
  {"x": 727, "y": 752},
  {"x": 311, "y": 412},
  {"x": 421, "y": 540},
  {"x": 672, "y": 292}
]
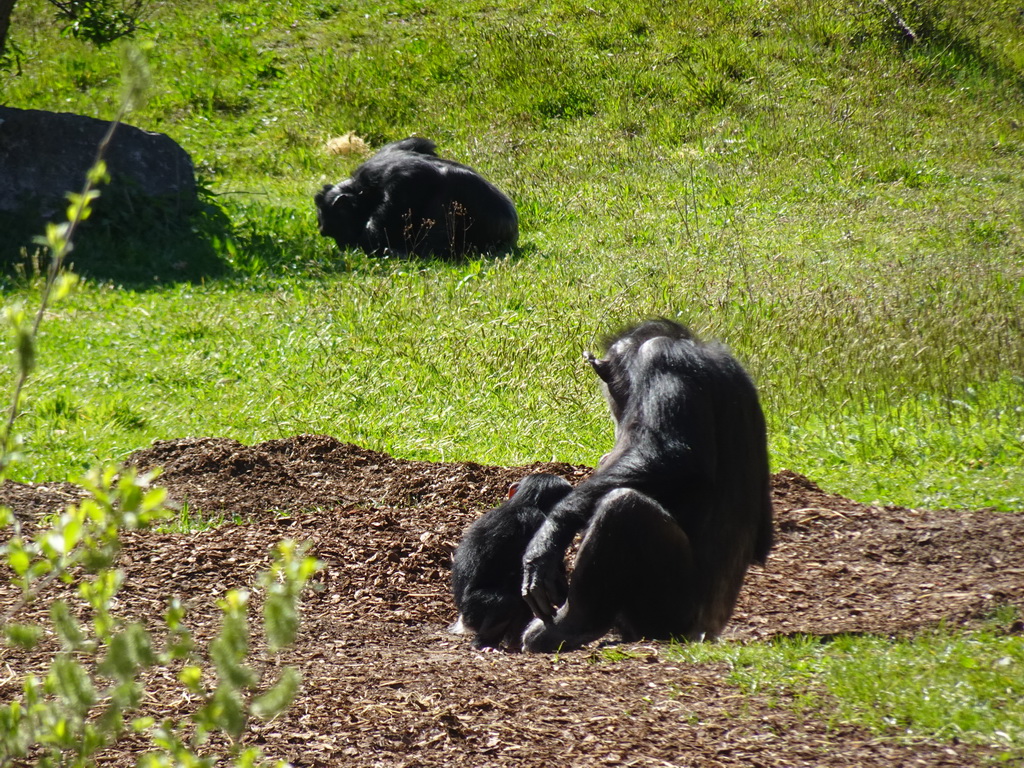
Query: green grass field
[{"x": 840, "y": 202}]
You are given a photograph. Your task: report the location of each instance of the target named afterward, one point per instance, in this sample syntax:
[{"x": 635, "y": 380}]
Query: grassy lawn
[
  {"x": 836, "y": 199},
  {"x": 952, "y": 686}
]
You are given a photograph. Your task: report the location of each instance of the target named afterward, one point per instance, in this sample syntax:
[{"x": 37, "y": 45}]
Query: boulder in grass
[{"x": 45, "y": 155}]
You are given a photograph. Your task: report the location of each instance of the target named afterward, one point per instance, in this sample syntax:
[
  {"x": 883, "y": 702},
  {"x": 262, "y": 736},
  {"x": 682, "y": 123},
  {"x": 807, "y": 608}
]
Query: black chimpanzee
[
  {"x": 406, "y": 199},
  {"x": 675, "y": 512},
  {"x": 487, "y": 569}
]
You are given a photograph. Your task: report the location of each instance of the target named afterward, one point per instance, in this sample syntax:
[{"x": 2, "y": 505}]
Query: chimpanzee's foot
[{"x": 556, "y": 635}]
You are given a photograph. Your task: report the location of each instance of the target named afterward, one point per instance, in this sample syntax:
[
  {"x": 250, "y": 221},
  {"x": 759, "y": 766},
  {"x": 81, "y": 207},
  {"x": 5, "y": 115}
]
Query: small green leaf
[
  {"x": 26, "y": 350},
  {"x": 72, "y": 534},
  {"x": 280, "y": 619},
  {"x": 56, "y": 237},
  {"x": 236, "y": 601},
  {"x": 224, "y": 712},
  {"x": 61, "y": 731},
  {"x": 153, "y": 501},
  {"x": 130, "y": 650},
  {"x": 98, "y": 174},
  {"x": 277, "y": 699},
  {"x": 18, "y": 558},
  {"x": 33, "y": 690},
  {"x": 81, "y": 205},
  {"x": 111, "y": 722},
  {"x": 251, "y": 758},
  {"x": 65, "y": 282},
  {"x": 227, "y": 659},
  {"x": 192, "y": 677},
  {"x": 175, "y": 614},
  {"x": 72, "y": 684},
  {"x": 68, "y": 630},
  {"x": 23, "y": 635}
]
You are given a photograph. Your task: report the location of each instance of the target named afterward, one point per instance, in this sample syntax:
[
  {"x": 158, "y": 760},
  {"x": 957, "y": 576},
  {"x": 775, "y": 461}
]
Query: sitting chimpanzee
[
  {"x": 675, "y": 512},
  {"x": 406, "y": 199},
  {"x": 487, "y": 568}
]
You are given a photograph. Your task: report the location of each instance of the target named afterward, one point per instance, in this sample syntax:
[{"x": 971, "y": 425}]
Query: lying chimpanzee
[
  {"x": 406, "y": 199},
  {"x": 675, "y": 512},
  {"x": 487, "y": 568}
]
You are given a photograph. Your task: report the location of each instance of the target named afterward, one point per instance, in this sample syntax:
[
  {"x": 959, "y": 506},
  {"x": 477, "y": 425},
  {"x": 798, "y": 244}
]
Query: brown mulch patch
[{"x": 386, "y": 685}]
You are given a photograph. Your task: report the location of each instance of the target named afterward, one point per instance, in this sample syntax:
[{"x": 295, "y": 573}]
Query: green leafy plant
[
  {"x": 95, "y": 676},
  {"x": 101, "y": 22},
  {"x": 83, "y": 699}
]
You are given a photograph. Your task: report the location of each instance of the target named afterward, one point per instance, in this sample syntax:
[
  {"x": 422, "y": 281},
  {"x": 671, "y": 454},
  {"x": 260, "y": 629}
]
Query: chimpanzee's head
[
  {"x": 627, "y": 353},
  {"x": 338, "y": 213}
]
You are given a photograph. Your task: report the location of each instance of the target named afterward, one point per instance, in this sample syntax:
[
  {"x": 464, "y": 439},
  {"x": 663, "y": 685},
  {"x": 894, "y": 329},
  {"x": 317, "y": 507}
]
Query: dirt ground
[{"x": 386, "y": 685}]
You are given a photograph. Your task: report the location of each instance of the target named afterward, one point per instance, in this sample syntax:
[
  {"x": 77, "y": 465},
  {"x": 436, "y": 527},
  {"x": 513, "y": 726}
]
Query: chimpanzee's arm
[{"x": 543, "y": 580}]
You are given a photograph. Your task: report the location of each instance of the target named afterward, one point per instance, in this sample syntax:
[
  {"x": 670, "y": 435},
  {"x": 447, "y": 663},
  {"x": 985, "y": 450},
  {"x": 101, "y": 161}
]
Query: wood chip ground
[{"x": 386, "y": 685}]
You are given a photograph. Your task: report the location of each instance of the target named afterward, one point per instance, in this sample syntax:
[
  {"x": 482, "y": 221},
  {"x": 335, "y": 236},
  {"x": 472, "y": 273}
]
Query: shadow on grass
[
  {"x": 140, "y": 246},
  {"x": 125, "y": 242}
]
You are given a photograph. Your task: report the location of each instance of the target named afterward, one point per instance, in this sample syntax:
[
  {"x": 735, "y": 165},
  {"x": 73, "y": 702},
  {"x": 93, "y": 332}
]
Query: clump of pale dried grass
[{"x": 347, "y": 145}]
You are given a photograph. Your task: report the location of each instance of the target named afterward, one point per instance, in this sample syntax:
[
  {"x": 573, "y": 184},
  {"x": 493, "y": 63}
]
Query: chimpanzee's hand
[{"x": 544, "y": 585}]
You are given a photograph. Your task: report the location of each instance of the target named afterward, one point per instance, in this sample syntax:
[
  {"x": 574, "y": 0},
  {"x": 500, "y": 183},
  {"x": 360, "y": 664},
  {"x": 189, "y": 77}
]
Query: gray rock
[{"x": 44, "y": 155}]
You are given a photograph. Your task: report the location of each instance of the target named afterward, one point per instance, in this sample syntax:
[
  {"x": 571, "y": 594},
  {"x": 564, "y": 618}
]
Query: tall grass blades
[{"x": 830, "y": 188}]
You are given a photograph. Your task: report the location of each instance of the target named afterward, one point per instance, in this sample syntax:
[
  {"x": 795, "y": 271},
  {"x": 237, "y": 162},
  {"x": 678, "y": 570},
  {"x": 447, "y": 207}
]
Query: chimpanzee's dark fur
[
  {"x": 676, "y": 511},
  {"x": 487, "y": 567},
  {"x": 406, "y": 199}
]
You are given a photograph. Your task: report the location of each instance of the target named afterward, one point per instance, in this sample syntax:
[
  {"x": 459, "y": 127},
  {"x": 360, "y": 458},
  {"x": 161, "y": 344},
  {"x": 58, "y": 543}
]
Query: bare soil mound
[{"x": 386, "y": 685}]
